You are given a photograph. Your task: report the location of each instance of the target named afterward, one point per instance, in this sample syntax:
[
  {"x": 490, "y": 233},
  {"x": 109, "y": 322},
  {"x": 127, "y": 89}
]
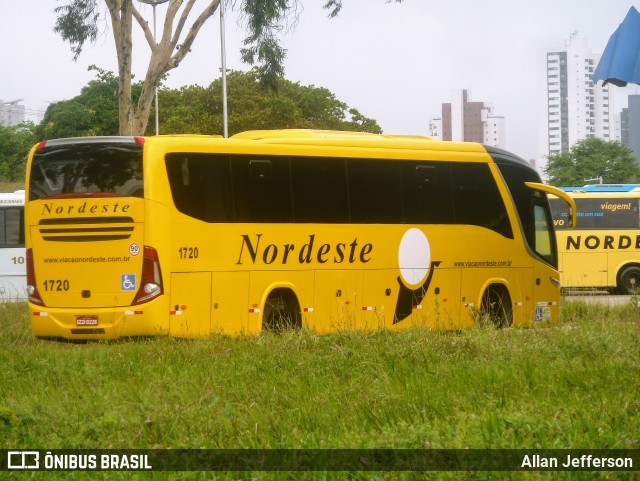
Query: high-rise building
[
  {"x": 11, "y": 113},
  {"x": 630, "y": 125},
  {"x": 575, "y": 108},
  {"x": 466, "y": 121}
]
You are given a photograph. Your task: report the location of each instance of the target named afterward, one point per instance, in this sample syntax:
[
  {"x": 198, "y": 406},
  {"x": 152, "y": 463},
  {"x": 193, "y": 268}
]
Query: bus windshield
[{"x": 88, "y": 169}]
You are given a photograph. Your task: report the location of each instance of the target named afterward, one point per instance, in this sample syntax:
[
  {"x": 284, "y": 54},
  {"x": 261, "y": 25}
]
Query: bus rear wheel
[
  {"x": 495, "y": 308},
  {"x": 629, "y": 280},
  {"x": 281, "y": 312}
]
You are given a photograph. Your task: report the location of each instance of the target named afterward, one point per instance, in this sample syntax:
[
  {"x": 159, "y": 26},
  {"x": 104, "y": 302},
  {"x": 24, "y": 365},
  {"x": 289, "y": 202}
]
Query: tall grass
[{"x": 575, "y": 385}]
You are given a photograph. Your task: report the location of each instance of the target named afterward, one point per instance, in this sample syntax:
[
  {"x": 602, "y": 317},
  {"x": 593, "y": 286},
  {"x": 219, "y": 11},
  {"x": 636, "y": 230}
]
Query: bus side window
[
  {"x": 262, "y": 188},
  {"x": 427, "y": 193},
  {"x": 3, "y": 227},
  {"x": 201, "y": 186},
  {"x": 261, "y": 169},
  {"x": 477, "y": 199},
  {"x": 426, "y": 174},
  {"x": 11, "y": 227},
  {"x": 319, "y": 190},
  {"x": 375, "y": 195}
]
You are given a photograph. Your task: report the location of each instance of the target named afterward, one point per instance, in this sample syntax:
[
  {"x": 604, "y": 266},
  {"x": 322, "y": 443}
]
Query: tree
[
  {"x": 78, "y": 22},
  {"x": 198, "y": 110},
  {"x": 15, "y": 143},
  {"x": 93, "y": 112},
  {"x": 593, "y": 158}
]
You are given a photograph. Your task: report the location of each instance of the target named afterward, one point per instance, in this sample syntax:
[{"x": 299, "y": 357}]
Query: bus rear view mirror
[{"x": 568, "y": 200}]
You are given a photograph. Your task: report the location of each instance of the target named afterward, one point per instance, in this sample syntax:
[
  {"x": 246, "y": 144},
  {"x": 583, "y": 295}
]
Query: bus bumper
[{"x": 149, "y": 319}]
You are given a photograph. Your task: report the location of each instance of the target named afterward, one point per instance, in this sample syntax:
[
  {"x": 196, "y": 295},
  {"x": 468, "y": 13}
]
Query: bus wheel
[
  {"x": 629, "y": 280},
  {"x": 495, "y": 309},
  {"x": 281, "y": 311}
]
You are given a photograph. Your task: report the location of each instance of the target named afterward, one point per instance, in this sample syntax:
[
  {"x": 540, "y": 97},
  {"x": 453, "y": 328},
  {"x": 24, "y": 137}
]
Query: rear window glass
[{"x": 74, "y": 169}]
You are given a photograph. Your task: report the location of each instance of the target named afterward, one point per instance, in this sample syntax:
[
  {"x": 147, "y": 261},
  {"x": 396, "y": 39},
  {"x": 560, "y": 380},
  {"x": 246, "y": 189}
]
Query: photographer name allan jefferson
[{"x": 585, "y": 461}]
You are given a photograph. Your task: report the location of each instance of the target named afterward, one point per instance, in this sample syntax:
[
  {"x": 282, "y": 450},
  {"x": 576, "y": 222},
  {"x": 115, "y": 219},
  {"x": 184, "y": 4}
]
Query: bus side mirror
[
  {"x": 568, "y": 200},
  {"x": 570, "y": 216}
]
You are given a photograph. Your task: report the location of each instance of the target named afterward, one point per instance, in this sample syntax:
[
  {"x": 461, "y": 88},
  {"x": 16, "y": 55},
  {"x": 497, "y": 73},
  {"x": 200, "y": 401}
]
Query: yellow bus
[
  {"x": 603, "y": 250},
  {"x": 192, "y": 235}
]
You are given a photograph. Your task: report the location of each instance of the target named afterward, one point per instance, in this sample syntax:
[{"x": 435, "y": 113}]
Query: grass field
[
  {"x": 6, "y": 186},
  {"x": 575, "y": 385}
]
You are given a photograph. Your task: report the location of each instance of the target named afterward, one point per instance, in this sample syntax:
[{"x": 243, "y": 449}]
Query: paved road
[{"x": 599, "y": 298}]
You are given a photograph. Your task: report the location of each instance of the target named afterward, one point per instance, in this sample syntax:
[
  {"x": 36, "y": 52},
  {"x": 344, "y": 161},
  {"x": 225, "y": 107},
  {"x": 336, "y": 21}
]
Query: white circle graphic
[{"x": 414, "y": 257}]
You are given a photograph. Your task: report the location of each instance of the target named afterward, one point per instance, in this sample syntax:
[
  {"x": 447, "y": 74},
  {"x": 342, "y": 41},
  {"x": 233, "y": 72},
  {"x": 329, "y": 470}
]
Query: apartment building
[
  {"x": 463, "y": 120},
  {"x": 575, "y": 108}
]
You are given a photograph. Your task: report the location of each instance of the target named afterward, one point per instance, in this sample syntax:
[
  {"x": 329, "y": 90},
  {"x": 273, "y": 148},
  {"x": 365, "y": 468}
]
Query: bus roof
[
  {"x": 12, "y": 198},
  {"x": 314, "y": 138},
  {"x": 603, "y": 188},
  {"x": 319, "y": 134},
  {"x": 341, "y": 139}
]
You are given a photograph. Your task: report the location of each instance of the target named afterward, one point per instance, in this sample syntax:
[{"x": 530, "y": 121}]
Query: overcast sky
[{"x": 396, "y": 63}]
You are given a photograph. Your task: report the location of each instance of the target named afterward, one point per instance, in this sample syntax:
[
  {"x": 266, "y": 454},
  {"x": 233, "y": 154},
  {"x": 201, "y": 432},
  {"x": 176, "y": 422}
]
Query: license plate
[{"x": 87, "y": 321}]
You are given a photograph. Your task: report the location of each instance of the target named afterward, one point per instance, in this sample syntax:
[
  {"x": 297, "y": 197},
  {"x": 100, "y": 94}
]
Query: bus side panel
[
  {"x": 230, "y": 304},
  {"x": 578, "y": 270},
  {"x": 440, "y": 309},
  {"x": 190, "y": 313},
  {"x": 13, "y": 274},
  {"x": 377, "y": 307},
  {"x": 521, "y": 283},
  {"x": 13, "y": 287},
  {"x": 546, "y": 296},
  {"x": 338, "y": 302}
]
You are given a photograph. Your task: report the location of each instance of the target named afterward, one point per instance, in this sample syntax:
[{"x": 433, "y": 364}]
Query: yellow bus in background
[
  {"x": 603, "y": 250},
  {"x": 193, "y": 235}
]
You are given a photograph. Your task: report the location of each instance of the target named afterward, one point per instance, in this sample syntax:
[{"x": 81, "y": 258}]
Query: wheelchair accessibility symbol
[{"x": 127, "y": 282}]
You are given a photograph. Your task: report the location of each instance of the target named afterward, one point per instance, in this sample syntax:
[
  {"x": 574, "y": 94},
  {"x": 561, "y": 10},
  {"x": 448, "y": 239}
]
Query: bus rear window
[{"x": 79, "y": 168}]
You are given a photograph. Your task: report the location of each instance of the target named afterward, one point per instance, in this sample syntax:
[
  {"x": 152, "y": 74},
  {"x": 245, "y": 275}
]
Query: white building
[
  {"x": 574, "y": 108},
  {"x": 11, "y": 113},
  {"x": 493, "y": 130}
]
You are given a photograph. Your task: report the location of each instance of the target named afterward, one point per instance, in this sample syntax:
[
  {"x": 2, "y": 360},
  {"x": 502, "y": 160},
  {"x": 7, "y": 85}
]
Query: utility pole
[
  {"x": 225, "y": 122},
  {"x": 153, "y": 3}
]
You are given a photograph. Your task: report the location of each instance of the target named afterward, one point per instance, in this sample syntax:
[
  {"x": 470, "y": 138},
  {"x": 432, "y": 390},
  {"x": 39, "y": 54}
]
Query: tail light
[
  {"x": 151, "y": 279},
  {"x": 32, "y": 287}
]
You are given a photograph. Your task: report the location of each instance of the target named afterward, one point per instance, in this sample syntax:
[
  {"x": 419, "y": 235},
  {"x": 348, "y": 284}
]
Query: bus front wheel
[
  {"x": 281, "y": 311},
  {"x": 629, "y": 280},
  {"x": 495, "y": 308}
]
